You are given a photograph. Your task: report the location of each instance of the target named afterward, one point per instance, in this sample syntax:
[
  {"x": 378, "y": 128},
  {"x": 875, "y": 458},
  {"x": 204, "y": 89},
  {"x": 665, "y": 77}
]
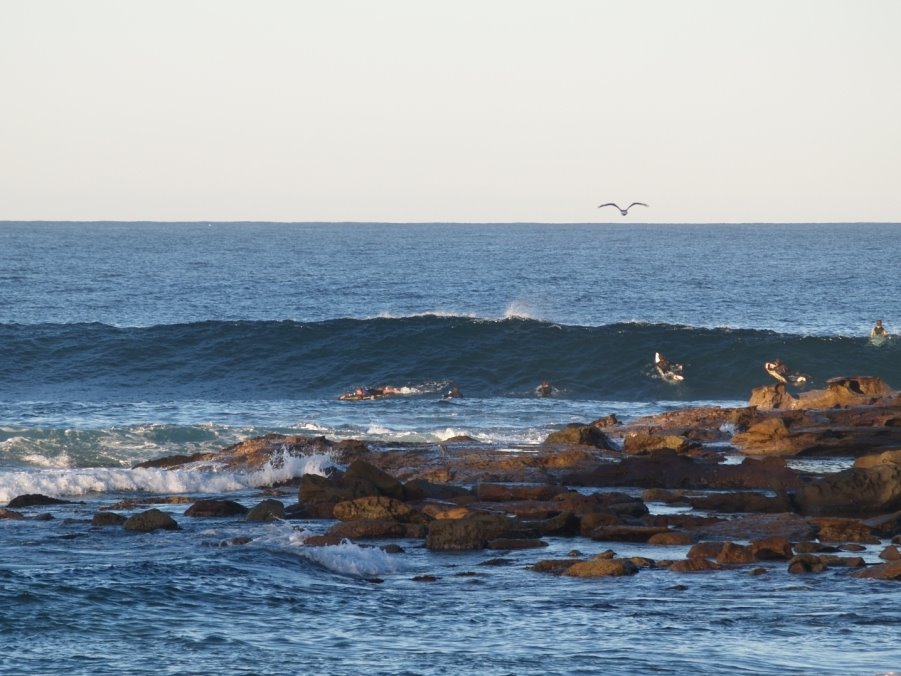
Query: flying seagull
[{"x": 622, "y": 211}]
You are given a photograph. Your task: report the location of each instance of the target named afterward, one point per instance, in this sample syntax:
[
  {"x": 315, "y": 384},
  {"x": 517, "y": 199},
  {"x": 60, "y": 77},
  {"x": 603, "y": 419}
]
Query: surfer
[
  {"x": 545, "y": 389},
  {"x": 878, "y": 330},
  {"x": 670, "y": 372},
  {"x": 453, "y": 393},
  {"x": 780, "y": 371},
  {"x": 371, "y": 392}
]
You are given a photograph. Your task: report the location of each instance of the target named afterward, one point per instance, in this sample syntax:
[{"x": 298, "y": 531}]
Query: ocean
[{"x": 123, "y": 342}]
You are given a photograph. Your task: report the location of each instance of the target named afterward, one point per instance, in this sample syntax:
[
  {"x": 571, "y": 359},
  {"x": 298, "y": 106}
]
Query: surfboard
[{"x": 879, "y": 340}]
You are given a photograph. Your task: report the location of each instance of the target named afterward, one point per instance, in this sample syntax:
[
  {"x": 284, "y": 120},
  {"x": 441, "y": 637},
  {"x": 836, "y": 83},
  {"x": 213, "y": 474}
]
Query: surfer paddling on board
[
  {"x": 780, "y": 371},
  {"x": 370, "y": 393},
  {"x": 670, "y": 372}
]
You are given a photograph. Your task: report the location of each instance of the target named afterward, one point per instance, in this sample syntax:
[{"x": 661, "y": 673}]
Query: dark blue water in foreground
[{"x": 126, "y": 341}]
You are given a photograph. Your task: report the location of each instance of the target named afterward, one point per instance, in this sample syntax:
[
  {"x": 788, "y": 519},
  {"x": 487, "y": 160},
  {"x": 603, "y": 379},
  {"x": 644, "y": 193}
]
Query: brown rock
[
  {"x": 556, "y": 566},
  {"x": 732, "y": 553},
  {"x": 882, "y": 571},
  {"x": 694, "y": 565},
  {"x": 626, "y": 533},
  {"x": 445, "y": 511},
  {"x": 890, "y": 553},
  {"x": 842, "y": 561},
  {"x": 11, "y": 514},
  {"x": 771, "y": 549},
  {"x": 833, "y": 529},
  {"x": 705, "y": 550},
  {"x": 378, "y": 508},
  {"x": 877, "y": 459},
  {"x": 806, "y": 563},
  {"x": 150, "y": 520},
  {"x": 670, "y": 538},
  {"x": 219, "y": 508},
  {"x": 770, "y": 397},
  {"x": 640, "y": 442},
  {"x": 602, "y": 568}
]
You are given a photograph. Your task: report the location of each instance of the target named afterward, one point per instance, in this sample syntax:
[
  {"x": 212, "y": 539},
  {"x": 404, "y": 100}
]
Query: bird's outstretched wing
[
  {"x": 640, "y": 204},
  {"x": 608, "y": 204}
]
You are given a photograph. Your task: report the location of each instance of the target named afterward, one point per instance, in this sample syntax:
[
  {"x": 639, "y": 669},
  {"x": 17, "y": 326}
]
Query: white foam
[
  {"x": 345, "y": 558},
  {"x": 348, "y": 558},
  {"x": 74, "y": 482}
]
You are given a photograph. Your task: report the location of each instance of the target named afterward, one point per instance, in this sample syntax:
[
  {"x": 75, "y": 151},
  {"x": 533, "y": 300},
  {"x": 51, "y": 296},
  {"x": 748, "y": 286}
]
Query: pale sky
[{"x": 462, "y": 110}]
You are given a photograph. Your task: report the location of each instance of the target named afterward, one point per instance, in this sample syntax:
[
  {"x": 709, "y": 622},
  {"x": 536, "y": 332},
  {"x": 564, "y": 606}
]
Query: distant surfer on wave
[
  {"x": 669, "y": 371},
  {"x": 878, "y": 330}
]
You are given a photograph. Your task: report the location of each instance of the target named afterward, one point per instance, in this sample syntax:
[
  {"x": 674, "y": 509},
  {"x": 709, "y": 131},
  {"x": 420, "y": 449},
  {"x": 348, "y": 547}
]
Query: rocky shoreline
[{"x": 595, "y": 481}]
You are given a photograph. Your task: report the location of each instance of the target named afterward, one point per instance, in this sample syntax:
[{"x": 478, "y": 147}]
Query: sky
[{"x": 463, "y": 110}]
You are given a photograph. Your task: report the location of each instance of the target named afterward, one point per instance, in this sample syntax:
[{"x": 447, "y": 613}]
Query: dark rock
[
  {"x": 33, "y": 499},
  {"x": 268, "y": 510},
  {"x": 420, "y": 489},
  {"x": 580, "y": 435},
  {"x": 556, "y": 566},
  {"x": 743, "y": 501},
  {"x": 216, "y": 508},
  {"x": 758, "y": 526},
  {"x": 150, "y": 520},
  {"x": 471, "y": 533},
  {"x": 10, "y": 514},
  {"x": 107, "y": 519},
  {"x": 368, "y": 474},
  {"x": 493, "y": 492}
]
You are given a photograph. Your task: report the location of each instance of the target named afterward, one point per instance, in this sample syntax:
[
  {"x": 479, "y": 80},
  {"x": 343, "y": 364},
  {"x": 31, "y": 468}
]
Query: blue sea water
[{"x": 121, "y": 342}]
